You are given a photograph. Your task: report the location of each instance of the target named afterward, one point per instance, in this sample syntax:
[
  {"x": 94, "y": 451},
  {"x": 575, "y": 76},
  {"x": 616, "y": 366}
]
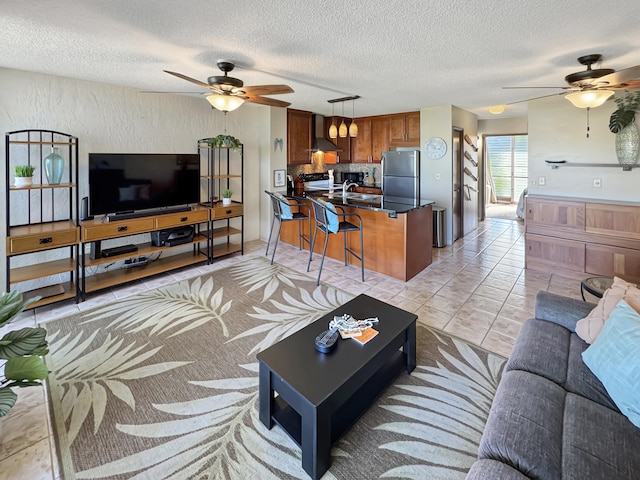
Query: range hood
[{"x": 319, "y": 143}]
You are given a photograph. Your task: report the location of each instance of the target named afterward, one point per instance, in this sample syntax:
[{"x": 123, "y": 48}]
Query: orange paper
[{"x": 367, "y": 335}]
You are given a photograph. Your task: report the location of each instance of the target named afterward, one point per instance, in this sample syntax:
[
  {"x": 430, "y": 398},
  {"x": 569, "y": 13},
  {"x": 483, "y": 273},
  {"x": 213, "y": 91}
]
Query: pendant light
[
  {"x": 333, "y": 130},
  {"x": 353, "y": 128},
  {"x": 342, "y": 132}
]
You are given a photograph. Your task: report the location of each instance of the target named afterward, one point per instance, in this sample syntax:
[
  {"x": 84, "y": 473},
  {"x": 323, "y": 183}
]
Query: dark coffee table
[
  {"x": 596, "y": 286},
  {"x": 320, "y": 396}
]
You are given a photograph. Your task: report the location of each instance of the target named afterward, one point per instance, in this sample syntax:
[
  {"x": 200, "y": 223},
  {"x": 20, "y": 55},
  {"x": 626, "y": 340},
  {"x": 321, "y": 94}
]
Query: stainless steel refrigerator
[{"x": 401, "y": 174}]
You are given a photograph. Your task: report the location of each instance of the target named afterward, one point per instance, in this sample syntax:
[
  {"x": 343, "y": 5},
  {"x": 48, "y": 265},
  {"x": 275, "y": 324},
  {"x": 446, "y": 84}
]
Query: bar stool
[
  {"x": 328, "y": 221},
  {"x": 282, "y": 212}
]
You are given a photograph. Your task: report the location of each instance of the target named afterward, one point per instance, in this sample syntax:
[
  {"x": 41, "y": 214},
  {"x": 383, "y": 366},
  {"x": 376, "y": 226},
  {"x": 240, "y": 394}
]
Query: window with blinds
[{"x": 507, "y": 156}]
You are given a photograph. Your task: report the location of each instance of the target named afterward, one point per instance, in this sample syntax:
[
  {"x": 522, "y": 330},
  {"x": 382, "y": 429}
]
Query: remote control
[{"x": 326, "y": 341}]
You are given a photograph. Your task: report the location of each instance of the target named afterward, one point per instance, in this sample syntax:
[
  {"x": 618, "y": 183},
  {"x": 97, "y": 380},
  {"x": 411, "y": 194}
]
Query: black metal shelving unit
[{"x": 42, "y": 218}]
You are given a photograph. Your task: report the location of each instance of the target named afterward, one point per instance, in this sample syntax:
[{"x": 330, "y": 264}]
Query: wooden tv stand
[{"x": 99, "y": 230}]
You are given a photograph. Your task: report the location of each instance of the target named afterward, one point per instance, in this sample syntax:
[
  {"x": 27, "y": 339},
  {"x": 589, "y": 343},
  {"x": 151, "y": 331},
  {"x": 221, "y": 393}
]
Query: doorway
[
  {"x": 458, "y": 182},
  {"x": 506, "y": 173}
]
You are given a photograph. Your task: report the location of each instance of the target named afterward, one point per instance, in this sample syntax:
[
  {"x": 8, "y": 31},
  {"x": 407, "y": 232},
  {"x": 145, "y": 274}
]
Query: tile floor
[{"x": 476, "y": 289}]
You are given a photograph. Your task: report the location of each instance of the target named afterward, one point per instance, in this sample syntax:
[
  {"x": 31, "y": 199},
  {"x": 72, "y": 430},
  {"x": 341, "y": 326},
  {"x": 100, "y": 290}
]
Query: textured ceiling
[{"x": 397, "y": 55}]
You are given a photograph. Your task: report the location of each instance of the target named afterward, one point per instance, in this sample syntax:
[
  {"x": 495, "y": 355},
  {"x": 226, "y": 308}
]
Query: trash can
[{"x": 438, "y": 227}]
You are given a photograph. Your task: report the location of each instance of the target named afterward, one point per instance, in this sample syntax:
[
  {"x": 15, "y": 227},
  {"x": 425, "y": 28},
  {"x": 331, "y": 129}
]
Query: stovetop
[{"x": 310, "y": 177}]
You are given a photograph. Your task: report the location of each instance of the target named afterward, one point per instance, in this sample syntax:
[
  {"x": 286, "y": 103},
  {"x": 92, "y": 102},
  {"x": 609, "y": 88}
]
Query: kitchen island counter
[{"x": 397, "y": 236}]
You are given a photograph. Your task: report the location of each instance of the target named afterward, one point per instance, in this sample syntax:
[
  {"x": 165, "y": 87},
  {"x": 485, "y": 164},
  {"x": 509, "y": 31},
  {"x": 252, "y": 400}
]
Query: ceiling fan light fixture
[
  {"x": 497, "y": 109},
  {"x": 224, "y": 103},
  {"x": 589, "y": 98}
]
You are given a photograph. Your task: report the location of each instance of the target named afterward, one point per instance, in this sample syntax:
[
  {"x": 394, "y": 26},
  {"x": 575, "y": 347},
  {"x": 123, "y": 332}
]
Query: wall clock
[{"x": 435, "y": 148}]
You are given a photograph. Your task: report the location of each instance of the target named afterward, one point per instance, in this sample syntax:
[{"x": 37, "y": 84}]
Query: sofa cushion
[
  {"x": 487, "y": 469},
  {"x": 524, "y": 428},
  {"x": 581, "y": 380},
  {"x": 551, "y": 351},
  {"x": 542, "y": 348},
  {"x": 590, "y": 326},
  {"x": 598, "y": 442},
  {"x": 615, "y": 359}
]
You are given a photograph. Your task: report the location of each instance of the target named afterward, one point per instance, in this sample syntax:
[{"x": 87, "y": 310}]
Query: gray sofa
[{"x": 551, "y": 417}]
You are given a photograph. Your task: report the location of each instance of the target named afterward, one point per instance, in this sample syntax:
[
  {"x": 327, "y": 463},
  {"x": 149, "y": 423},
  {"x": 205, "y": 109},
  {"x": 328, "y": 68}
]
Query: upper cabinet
[
  {"x": 298, "y": 136},
  {"x": 404, "y": 129},
  {"x": 372, "y": 139}
]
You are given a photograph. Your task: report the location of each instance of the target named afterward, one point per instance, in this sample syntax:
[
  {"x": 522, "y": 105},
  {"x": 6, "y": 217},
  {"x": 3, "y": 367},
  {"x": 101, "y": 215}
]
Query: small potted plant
[
  {"x": 224, "y": 141},
  {"x": 21, "y": 351},
  {"x": 226, "y": 197},
  {"x": 23, "y": 175}
]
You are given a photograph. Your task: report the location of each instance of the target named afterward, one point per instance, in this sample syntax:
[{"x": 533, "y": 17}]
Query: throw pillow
[
  {"x": 615, "y": 359},
  {"x": 590, "y": 326},
  {"x": 332, "y": 217},
  {"x": 285, "y": 208}
]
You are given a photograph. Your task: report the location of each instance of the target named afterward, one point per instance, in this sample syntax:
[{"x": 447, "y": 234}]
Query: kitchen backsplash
[{"x": 319, "y": 166}]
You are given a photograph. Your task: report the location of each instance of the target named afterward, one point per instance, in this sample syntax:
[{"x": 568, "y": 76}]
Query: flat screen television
[{"x": 125, "y": 182}]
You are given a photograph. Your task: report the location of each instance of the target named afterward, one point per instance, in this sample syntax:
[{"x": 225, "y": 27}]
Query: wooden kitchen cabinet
[
  {"x": 404, "y": 129},
  {"x": 298, "y": 137},
  {"x": 372, "y": 139}
]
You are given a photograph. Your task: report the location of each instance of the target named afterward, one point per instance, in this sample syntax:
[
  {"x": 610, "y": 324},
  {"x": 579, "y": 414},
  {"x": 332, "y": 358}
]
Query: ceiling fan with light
[
  {"x": 592, "y": 87},
  {"x": 228, "y": 93}
]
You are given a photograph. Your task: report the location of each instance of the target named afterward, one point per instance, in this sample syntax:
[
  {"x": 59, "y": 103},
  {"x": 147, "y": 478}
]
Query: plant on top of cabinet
[{"x": 223, "y": 141}]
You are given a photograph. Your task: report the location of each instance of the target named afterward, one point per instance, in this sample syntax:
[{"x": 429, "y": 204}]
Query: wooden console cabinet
[
  {"x": 580, "y": 237},
  {"x": 96, "y": 230}
]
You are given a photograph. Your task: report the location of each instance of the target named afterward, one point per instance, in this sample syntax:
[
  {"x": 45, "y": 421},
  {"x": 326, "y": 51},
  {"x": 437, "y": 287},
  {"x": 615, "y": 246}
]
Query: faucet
[{"x": 346, "y": 186}]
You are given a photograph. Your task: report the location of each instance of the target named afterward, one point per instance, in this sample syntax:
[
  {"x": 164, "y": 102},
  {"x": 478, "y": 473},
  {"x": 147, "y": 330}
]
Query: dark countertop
[{"x": 378, "y": 203}]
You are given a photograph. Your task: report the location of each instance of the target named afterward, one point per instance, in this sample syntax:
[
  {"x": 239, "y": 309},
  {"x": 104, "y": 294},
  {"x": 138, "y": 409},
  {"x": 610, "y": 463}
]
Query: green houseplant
[
  {"x": 622, "y": 123},
  {"x": 226, "y": 196},
  {"x": 24, "y": 170},
  {"x": 625, "y": 114},
  {"x": 23, "y": 175},
  {"x": 21, "y": 350},
  {"x": 224, "y": 141}
]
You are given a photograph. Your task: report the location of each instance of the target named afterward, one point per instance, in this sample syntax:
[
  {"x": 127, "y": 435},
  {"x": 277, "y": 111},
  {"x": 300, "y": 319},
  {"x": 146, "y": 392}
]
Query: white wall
[
  {"x": 436, "y": 176},
  {"x": 108, "y": 118},
  {"x": 557, "y": 131},
  {"x": 469, "y": 123},
  {"x": 503, "y": 126}
]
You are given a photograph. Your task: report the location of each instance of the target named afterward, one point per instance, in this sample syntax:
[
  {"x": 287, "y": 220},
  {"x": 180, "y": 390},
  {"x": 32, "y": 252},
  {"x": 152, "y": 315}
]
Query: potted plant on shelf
[
  {"x": 21, "y": 350},
  {"x": 622, "y": 123},
  {"x": 23, "y": 175},
  {"x": 224, "y": 141},
  {"x": 226, "y": 197}
]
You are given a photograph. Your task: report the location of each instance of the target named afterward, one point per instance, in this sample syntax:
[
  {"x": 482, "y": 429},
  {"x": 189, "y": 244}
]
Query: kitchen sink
[
  {"x": 363, "y": 196},
  {"x": 354, "y": 196}
]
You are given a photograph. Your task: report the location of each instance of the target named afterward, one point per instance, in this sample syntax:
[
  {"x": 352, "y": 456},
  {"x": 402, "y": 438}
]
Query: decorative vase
[
  {"x": 226, "y": 201},
  {"x": 23, "y": 181},
  {"x": 53, "y": 167},
  {"x": 628, "y": 144}
]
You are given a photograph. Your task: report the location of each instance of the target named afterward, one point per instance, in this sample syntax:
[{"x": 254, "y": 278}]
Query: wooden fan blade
[
  {"x": 173, "y": 93},
  {"x": 267, "y": 89},
  {"x": 188, "y": 79},
  {"x": 629, "y": 78},
  {"x": 511, "y": 88},
  {"x": 272, "y": 102},
  {"x": 535, "y": 98}
]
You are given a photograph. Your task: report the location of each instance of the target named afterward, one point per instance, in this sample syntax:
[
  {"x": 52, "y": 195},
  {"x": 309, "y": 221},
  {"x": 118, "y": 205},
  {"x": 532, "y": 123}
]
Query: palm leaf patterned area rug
[{"x": 164, "y": 385}]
